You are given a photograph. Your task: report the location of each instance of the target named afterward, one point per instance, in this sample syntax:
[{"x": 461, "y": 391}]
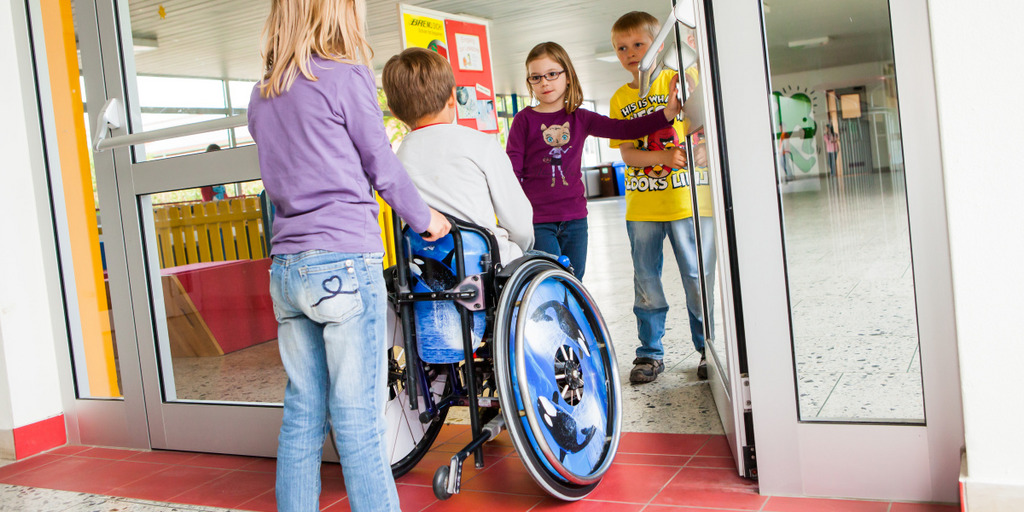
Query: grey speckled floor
[
  {"x": 15, "y": 498},
  {"x": 852, "y": 299}
]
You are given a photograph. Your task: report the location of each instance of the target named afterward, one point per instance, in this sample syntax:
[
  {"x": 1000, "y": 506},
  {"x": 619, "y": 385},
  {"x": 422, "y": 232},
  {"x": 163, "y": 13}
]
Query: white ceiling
[
  {"x": 220, "y": 39},
  {"x": 858, "y": 32}
]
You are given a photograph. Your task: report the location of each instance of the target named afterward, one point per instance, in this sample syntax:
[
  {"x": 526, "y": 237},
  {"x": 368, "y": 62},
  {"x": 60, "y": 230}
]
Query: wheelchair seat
[
  {"x": 549, "y": 361},
  {"x": 432, "y": 268}
]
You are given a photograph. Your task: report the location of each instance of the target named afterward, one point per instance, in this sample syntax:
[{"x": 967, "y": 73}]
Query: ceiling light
[
  {"x": 144, "y": 44},
  {"x": 809, "y": 43}
]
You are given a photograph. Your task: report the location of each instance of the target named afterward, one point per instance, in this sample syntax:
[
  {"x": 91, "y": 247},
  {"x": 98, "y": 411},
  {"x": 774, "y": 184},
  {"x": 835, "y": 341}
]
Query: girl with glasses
[{"x": 545, "y": 144}]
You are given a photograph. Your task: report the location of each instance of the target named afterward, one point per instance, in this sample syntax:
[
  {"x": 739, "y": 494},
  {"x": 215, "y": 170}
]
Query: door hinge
[
  {"x": 745, "y": 392},
  {"x": 750, "y": 461}
]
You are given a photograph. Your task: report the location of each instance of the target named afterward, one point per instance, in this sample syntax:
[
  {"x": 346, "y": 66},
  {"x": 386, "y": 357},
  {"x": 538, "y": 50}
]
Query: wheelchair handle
[{"x": 451, "y": 221}]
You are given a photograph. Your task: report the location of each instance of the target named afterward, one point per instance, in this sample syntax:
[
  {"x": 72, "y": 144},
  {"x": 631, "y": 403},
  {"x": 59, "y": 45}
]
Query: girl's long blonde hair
[
  {"x": 573, "y": 89},
  {"x": 297, "y": 29}
]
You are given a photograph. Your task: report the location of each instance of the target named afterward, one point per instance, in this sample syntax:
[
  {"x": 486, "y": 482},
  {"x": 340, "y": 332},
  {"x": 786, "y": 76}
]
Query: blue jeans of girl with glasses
[
  {"x": 330, "y": 309},
  {"x": 647, "y": 241},
  {"x": 568, "y": 238}
]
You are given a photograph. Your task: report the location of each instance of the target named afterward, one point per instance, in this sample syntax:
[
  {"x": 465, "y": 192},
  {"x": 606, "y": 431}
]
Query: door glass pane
[
  {"x": 702, "y": 200},
  {"x": 83, "y": 249},
  {"x": 844, "y": 210},
  {"x": 193, "y": 63},
  {"x": 167, "y": 101},
  {"x": 218, "y": 337}
]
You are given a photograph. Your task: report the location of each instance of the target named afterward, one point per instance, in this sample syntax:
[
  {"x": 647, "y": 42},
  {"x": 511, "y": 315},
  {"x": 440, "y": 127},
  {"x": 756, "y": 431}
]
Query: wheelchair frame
[{"x": 467, "y": 383}]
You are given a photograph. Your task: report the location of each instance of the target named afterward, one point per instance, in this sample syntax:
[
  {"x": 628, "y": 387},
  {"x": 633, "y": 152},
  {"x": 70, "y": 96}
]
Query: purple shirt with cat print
[{"x": 546, "y": 149}]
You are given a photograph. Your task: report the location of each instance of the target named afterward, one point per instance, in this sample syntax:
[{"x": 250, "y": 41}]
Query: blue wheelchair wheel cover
[{"x": 568, "y": 426}]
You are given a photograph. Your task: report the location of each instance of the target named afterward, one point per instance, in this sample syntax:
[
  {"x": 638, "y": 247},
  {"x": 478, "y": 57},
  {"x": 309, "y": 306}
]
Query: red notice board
[{"x": 470, "y": 57}]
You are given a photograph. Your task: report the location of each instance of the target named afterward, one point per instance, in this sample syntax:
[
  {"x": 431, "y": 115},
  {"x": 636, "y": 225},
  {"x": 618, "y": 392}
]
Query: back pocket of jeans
[{"x": 332, "y": 291}]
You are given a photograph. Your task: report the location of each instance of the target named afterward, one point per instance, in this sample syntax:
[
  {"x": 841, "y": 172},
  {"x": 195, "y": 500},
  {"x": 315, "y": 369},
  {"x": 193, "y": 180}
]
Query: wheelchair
[{"x": 523, "y": 346}]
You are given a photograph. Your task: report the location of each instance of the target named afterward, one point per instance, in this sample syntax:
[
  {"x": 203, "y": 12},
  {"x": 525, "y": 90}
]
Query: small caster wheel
[{"x": 441, "y": 483}]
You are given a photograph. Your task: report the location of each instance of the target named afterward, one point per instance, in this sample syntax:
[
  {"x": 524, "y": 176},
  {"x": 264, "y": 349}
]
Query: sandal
[{"x": 645, "y": 369}]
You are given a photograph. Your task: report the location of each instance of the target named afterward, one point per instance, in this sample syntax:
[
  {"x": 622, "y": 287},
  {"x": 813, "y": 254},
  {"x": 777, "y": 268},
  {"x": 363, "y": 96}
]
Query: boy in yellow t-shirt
[{"x": 658, "y": 204}]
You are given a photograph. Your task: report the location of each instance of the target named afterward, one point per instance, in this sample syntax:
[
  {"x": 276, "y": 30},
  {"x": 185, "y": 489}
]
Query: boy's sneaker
[
  {"x": 645, "y": 369},
  {"x": 702, "y": 368}
]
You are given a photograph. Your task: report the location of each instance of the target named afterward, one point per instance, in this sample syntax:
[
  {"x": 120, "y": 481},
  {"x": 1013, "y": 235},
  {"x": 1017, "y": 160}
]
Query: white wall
[
  {"x": 979, "y": 78},
  {"x": 29, "y": 382}
]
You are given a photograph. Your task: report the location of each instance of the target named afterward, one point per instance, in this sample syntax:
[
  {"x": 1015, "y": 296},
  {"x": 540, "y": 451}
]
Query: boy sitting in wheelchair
[
  {"x": 458, "y": 170},
  {"x": 527, "y": 351}
]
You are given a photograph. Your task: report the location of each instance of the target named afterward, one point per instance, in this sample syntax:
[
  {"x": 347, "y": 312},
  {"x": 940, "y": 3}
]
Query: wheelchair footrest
[{"x": 448, "y": 479}]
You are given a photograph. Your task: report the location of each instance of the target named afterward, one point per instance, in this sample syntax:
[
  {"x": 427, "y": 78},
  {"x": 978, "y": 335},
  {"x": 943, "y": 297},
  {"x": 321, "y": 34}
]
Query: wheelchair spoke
[
  {"x": 408, "y": 440},
  {"x": 568, "y": 375}
]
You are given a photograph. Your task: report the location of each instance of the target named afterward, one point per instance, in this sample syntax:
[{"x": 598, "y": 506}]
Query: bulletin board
[{"x": 465, "y": 42}]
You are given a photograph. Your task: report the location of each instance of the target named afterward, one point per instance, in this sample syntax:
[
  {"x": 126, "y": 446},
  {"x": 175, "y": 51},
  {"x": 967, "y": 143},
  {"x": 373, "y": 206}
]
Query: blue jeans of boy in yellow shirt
[{"x": 646, "y": 240}]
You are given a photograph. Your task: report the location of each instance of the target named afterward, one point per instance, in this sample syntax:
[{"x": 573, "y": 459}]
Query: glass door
[
  {"x": 108, "y": 406},
  {"x": 194, "y": 242},
  {"x": 841, "y": 247},
  {"x": 687, "y": 46},
  {"x": 724, "y": 343}
]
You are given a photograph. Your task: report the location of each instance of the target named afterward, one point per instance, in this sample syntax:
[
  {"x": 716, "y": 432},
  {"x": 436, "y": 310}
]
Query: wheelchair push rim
[{"x": 559, "y": 387}]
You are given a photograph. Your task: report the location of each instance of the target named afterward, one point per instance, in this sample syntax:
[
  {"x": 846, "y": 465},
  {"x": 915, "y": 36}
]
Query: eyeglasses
[{"x": 549, "y": 76}]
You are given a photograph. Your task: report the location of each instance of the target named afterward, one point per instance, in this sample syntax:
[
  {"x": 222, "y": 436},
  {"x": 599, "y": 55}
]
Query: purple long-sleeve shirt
[
  {"x": 323, "y": 151},
  {"x": 546, "y": 149}
]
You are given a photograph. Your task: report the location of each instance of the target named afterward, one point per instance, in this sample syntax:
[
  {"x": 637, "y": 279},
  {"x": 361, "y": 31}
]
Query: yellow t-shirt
[{"x": 658, "y": 193}]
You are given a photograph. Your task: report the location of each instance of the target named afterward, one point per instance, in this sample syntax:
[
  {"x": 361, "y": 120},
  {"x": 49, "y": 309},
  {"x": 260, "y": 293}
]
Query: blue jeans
[
  {"x": 330, "y": 309},
  {"x": 568, "y": 238},
  {"x": 646, "y": 241}
]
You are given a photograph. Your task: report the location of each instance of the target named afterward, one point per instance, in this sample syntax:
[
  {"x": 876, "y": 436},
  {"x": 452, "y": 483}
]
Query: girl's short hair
[
  {"x": 297, "y": 29},
  {"x": 554, "y": 51},
  {"x": 417, "y": 82},
  {"x": 636, "y": 21}
]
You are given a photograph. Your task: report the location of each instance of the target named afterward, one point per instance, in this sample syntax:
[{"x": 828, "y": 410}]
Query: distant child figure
[
  {"x": 322, "y": 152},
  {"x": 213, "y": 192},
  {"x": 831, "y": 149},
  {"x": 545, "y": 144},
  {"x": 458, "y": 170},
  {"x": 658, "y": 205}
]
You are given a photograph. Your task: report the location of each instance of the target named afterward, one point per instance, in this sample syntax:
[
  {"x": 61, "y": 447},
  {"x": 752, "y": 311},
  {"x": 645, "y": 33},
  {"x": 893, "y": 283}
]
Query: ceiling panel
[{"x": 220, "y": 39}]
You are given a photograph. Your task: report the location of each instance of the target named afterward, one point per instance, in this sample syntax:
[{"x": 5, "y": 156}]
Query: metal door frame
[{"x": 727, "y": 379}]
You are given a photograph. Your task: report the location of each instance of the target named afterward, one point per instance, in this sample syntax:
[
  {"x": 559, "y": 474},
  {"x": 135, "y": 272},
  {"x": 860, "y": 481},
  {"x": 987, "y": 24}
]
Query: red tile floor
[{"x": 652, "y": 472}]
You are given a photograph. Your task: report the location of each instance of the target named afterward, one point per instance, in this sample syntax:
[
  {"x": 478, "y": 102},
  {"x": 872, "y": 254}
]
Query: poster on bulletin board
[
  {"x": 465, "y": 42},
  {"x": 424, "y": 32}
]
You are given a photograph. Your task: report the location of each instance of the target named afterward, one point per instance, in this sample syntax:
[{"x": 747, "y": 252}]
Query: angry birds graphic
[
  {"x": 665, "y": 138},
  {"x": 556, "y": 136}
]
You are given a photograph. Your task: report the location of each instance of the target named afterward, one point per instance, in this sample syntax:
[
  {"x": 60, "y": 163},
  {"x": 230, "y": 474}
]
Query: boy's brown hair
[
  {"x": 417, "y": 83},
  {"x": 636, "y": 21}
]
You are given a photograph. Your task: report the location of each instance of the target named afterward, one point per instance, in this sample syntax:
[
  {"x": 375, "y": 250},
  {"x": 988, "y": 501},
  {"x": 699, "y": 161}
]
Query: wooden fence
[
  {"x": 231, "y": 229},
  {"x": 226, "y": 230}
]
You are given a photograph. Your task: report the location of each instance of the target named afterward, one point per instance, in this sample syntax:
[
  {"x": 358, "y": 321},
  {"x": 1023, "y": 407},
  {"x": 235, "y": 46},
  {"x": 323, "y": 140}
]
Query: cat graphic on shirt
[{"x": 556, "y": 136}]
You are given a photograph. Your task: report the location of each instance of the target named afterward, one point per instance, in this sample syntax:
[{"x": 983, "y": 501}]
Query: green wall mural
[{"x": 795, "y": 129}]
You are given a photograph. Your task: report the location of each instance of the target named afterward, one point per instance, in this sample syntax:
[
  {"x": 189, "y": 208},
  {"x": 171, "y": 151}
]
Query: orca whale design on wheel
[{"x": 524, "y": 346}]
